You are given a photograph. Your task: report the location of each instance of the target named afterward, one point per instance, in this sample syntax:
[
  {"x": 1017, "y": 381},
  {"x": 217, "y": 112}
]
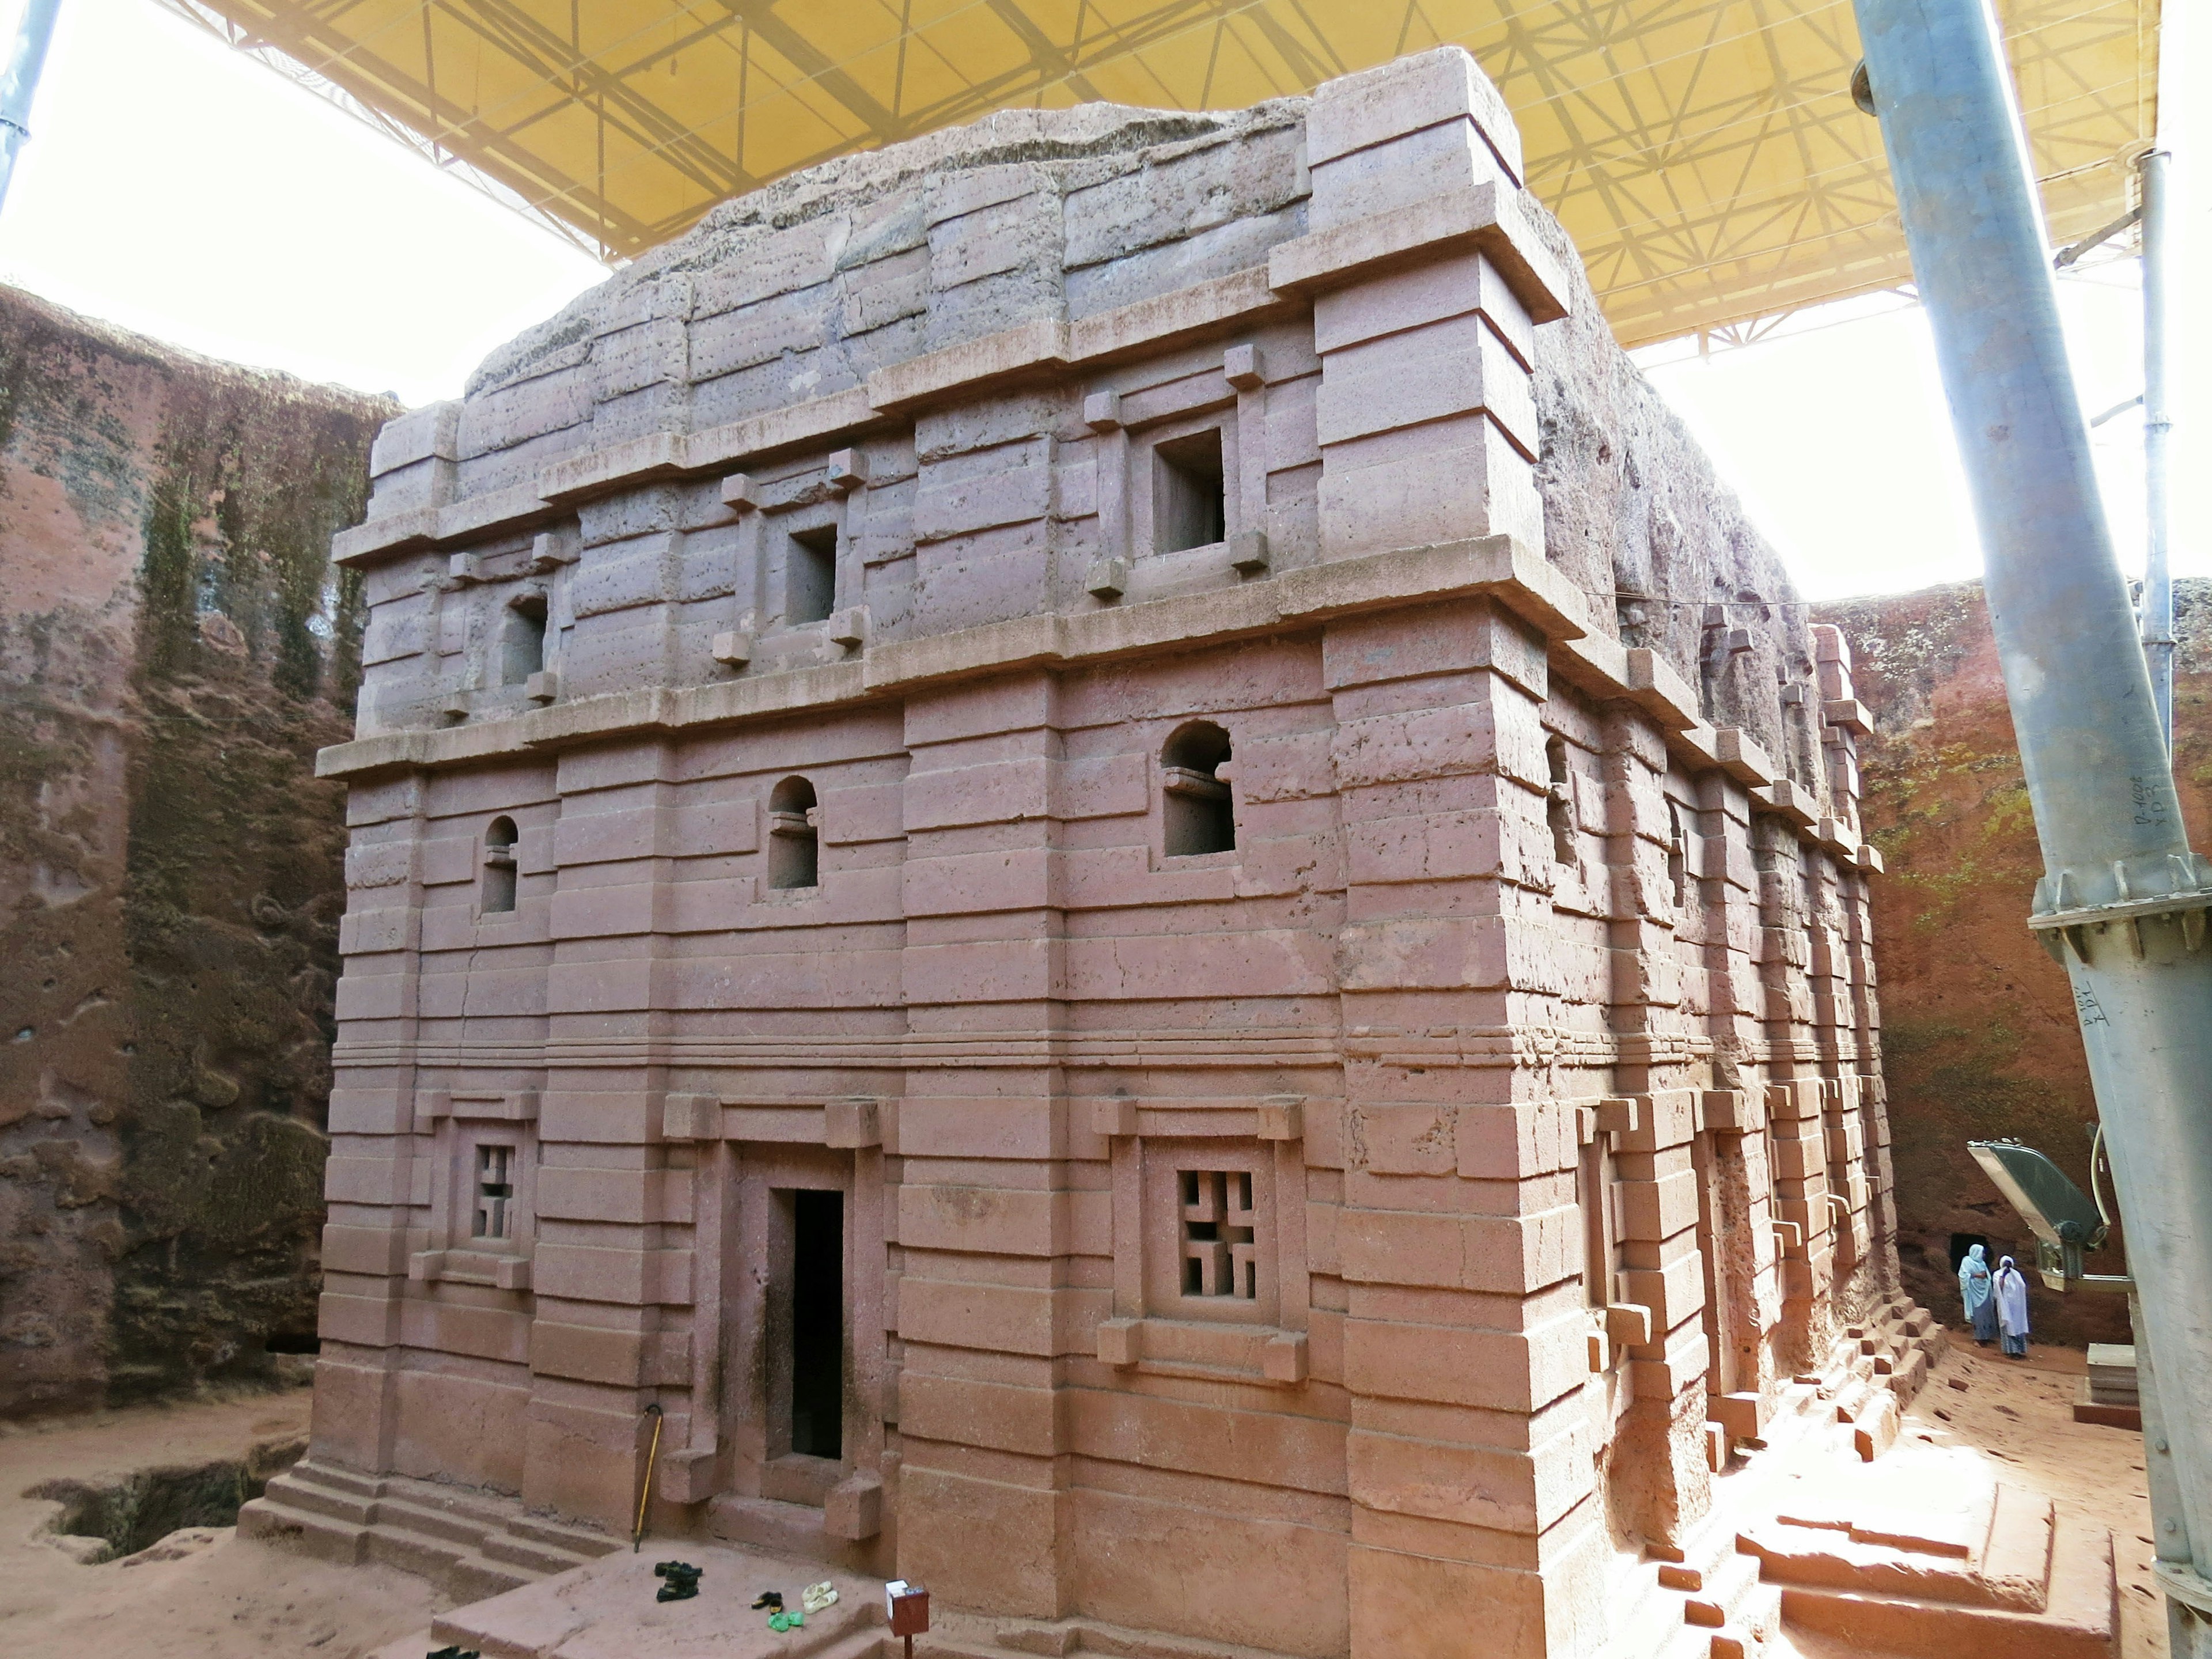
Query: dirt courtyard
[
  {"x": 227, "y": 1598},
  {"x": 2021, "y": 1414},
  {"x": 219, "y": 1596}
]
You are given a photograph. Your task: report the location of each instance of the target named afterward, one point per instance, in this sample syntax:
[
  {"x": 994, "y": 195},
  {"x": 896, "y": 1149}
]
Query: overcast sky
[{"x": 177, "y": 188}]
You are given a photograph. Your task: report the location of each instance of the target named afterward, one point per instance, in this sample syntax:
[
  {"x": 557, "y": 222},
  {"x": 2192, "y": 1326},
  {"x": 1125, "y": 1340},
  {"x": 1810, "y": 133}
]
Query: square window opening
[
  {"x": 522, "y": 643},
  {"x": 1220, "y": 1251},
  {"x": 817, "y": 1323},
  {"x": 1189, "y": 506},
  {"x": 810, "y": 575},
  {"x": 493, "y": 1217}
]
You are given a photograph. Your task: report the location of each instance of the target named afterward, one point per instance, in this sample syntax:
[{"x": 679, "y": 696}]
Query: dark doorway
[
  {"x": 817, "y": 1323},
  {"x": 1961, "y": 1242}
]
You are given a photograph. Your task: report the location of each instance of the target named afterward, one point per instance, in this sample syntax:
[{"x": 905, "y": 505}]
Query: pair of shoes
[
  {"x": 453, "y": 1653},
  {"x": 816, "y": 1597},
  {"x": 681, "y": 1580},
  {"x": 781, "y": 1621},
  {"x": 772, "y": 1599}
]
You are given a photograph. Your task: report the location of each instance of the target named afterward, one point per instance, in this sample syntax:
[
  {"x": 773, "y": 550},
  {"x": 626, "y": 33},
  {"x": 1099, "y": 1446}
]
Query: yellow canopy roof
[{"x": 1705, "y": 154}]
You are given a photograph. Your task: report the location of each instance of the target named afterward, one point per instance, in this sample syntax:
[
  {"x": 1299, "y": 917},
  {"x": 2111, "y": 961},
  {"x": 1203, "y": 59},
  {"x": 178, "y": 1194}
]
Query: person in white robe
[{"x": 2010, "y": 1294}]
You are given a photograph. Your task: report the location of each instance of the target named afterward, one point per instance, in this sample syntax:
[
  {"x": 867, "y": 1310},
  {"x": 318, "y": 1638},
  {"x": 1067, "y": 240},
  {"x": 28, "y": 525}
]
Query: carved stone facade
[{"x": 1090, "y": 838}]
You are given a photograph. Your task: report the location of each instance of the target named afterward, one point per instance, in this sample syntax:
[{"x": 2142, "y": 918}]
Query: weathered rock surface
[
  {"x": 1980, "y": 1036},
  {"x": 174, "y": 647}
]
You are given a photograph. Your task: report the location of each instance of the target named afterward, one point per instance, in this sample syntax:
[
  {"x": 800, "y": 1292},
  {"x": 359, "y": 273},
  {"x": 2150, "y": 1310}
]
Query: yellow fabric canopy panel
[{"x": 1706, "y": 157}]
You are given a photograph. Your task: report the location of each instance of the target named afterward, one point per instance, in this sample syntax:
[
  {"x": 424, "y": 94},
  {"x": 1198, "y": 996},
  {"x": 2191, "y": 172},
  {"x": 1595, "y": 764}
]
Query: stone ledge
[
  {"x": 1490, "y": 220},
  {"x": 1042, "y": 343},
  {"x": 1495, "y": 566}
]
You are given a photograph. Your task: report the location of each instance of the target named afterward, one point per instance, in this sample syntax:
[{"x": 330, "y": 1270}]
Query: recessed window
[
  {"x": 794, "y": 840},
  {"x": 495, "y": 1193},
  {"x": 1220, "y": 1252},
  {"x": 1198, "y": 811},
  {"x": 522, "y": 640},
  {"x": 1188, "y": 507},
  {"x": 810, "y": 575},
  {"x": 1559, "y": 802},
  {"x": 1594, "y": 1195},
  {"x": 1678, "y": 856},
  {"x": 499, "y": 867}
]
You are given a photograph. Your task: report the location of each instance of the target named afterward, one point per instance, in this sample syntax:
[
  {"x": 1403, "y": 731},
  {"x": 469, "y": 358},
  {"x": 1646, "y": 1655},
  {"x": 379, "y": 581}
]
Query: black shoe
[
  {"x": 772, "y": 1599},
  {"x": 681, "y": 1581}
]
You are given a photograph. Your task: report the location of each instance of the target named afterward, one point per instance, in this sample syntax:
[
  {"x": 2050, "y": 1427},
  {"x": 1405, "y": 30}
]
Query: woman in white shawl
[
  {"x": 2009, "y": 1292},
  {"x": 1974, "y": 1291}
]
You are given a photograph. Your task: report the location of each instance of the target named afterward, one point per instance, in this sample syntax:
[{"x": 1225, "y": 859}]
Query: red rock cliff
[
  {"x": 1979, "y": 1034},
  {"x": 174, "y": 647}
]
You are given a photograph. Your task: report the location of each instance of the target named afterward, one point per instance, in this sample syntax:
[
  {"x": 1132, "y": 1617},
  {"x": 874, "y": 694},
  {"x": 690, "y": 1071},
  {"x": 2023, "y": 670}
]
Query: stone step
[
  {"x": 586, "y": 1542},
  {"x": 334, "y": 1478},
  {"x": 483, "y": 1508},
  {"x": 293, "y": 1493},
  {"x": 539, "y": 1560},
  {"x": 2014, "y": 1564},
  {"x": 1911, "y": 1375},
  {"x": 2001, "y": 1559},
  {"x": 420, "y": 1520},
  {"x": 608, "y": 1607},
  {"x": 309, "y": 1533},
  {"x": 2080, "y": 1621},
  {"x": 1717, "y": 1599},
  {"x": 764, "y": 1524},
  {"x": 412, "y": 1552},
  {"x": 473, "y": 1577}
]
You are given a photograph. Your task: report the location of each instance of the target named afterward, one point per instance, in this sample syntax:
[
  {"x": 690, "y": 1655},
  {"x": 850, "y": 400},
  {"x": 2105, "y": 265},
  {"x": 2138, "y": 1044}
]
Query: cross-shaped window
[
  {"x": 1219, "y": 1257},
  {"x": 495, "y": 1192}
]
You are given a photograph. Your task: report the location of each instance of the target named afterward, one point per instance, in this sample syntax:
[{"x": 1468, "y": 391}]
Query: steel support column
[
  {"x": 2158, "y": 575},
  {"x": 2122, "y": 902},
  {"x": 27, "y": 59}
]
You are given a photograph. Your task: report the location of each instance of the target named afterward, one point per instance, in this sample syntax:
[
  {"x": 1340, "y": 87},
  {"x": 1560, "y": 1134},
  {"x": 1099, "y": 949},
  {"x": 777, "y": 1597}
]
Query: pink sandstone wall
[
  {"x": 174, "y": 648},
  {"x": 1515, "y": 1070}
]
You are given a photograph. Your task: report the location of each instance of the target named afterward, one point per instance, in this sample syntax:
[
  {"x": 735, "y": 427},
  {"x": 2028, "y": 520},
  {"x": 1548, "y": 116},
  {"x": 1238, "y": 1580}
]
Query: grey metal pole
[
  {"x": 27, "y": 60},
  {"x": 2158, "y": 576},
  {"x": 2123, "y": 901}
]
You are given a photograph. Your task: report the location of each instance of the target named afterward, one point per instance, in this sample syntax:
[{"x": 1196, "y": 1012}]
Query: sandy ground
[
  {"x": 234, "y": 1598},
  {"x": 225, "y": 1598},
  {"x": 2021, "y": 1412}
]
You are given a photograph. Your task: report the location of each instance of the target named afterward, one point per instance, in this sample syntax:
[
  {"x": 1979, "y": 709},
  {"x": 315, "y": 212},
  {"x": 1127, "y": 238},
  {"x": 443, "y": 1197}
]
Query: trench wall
[
  {"x": 1980, "y": 1040},
  {"x": 174, "y": 645}
]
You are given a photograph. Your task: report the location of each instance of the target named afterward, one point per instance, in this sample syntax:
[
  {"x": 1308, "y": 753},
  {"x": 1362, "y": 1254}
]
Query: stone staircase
[
  {"x": 2006, "y": 1577},
  {"x": 1872, "y": 1373},
  {"x": 471, "y": 1544},
  {"x": 1705, "y": 1600}
]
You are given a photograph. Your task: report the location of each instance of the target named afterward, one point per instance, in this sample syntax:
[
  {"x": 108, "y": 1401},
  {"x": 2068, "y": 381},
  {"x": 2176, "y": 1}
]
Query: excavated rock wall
[
  {"x": 1978, "y": 1038},
  {"x": 174, "y": 645}
]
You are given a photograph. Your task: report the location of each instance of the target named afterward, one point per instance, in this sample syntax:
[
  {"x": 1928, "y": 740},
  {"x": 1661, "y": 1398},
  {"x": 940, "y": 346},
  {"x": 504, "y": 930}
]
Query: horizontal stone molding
[
  {"x": 1494, "y": 567},
  {"x": 1487, "y": 218},
  {"x": 1259, "y": 1354},
  {"x": 1491, "y": 565}
]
